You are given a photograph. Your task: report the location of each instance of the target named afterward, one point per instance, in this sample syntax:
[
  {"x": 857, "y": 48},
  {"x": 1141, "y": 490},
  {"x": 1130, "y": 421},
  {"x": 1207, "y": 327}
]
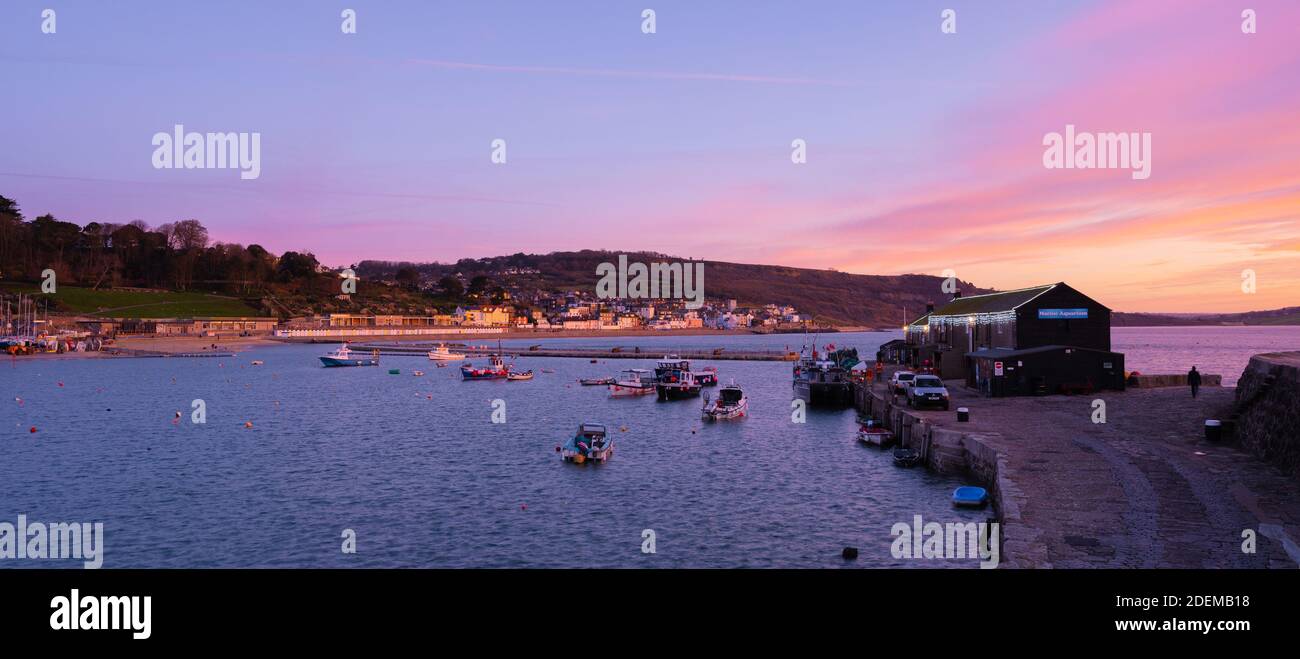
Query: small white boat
[
  {"x": 731, "y": 404},
  {"x": 525, "y": 375},
  {"x": 444, "y": 354},
  {"x": 873, "y": 435},
  {"x": 258, "y": 362},
  {"x": 633, "y": 382},
  {"x": 418, "y": 374}
]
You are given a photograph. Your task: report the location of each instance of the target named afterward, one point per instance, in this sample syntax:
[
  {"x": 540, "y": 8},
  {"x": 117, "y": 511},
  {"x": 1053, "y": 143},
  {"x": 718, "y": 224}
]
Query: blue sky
[{"x": 376, "y": 144}]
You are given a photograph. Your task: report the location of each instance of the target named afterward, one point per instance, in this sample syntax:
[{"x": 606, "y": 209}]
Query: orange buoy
[
  {"x": 248, "y": 424},
  {"x": 33, "y": 429}
]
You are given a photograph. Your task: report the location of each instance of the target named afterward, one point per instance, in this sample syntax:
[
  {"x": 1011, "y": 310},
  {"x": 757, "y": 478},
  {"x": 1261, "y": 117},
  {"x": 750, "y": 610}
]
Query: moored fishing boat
[
  {"x": 674, "y": 379},
  {"x": 824, "y": 380},
  {"x": 731, "y": 404},
  {"x": 590, "y": 442},
  {"x": 873, "y": 435},
  {"x": 595, "y": 382},
  {"x": 633, "y": 382},
  {"x": 707, "y": 377},
  {"x": 345, "y": 357},
  {"x": 497, "y": 370},
  {"x": 442, "y": 353}
]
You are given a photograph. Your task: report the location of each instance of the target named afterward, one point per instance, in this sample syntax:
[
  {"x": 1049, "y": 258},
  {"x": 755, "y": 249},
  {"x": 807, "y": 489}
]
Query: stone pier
[{"x": 1141, "y": 488}]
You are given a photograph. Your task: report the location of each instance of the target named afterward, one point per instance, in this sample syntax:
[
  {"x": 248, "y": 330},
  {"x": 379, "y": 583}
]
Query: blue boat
[
  {"x": 591, "y": 443},
  {"x": 970, "y": 496},
  {"x": 344, "y": 357}
]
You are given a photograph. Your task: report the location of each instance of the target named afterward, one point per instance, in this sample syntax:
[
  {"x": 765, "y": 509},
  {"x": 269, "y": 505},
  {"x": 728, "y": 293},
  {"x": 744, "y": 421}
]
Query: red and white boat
[
  {"x": 873, "y": 435},
  {"x": 731, "y": 404},
  {"x": 633, "y": 382}
]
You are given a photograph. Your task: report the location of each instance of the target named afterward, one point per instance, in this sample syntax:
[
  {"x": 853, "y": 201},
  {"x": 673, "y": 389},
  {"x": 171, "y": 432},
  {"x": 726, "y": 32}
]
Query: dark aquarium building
[{"x": 1039, "y": 340}]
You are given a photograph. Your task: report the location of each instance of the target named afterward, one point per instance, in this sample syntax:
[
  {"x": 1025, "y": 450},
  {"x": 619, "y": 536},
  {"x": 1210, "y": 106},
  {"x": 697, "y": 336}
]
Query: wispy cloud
[{"x": 629, "y": 73}]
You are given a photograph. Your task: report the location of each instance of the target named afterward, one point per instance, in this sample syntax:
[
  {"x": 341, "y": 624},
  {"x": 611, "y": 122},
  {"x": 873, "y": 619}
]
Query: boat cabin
[
  {"x": 642, "y": 375},
  {"x": 674, "y": 370},
  {"x": 592, "y": 433},
  {"x": 730, "y": 395}
]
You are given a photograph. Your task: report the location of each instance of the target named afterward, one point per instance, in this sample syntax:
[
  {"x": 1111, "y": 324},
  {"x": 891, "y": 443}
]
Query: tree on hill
[
  {"x": 478, "y": 285},
  {"x": 188, "y": 234},
  {"x": 408, "y": 278},
  {"x": 295, "y": 265},
  {"x": 451, "y": 287}
]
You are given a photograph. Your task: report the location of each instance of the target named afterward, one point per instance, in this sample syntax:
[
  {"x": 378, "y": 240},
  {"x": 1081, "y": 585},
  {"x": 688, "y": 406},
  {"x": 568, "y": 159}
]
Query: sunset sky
[{"x": 925, "y": 150}]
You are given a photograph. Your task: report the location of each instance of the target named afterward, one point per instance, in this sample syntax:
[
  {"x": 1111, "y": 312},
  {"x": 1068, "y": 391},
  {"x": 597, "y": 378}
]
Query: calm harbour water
[{"x": 415, "y": 466}]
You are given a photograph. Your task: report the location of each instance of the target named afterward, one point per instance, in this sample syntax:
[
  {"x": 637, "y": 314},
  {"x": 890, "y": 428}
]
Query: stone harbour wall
[
  {"x": 1267, "y": 409},
  {"x": 1179, "y": 380},
  {"x": 955, "y": 451}
]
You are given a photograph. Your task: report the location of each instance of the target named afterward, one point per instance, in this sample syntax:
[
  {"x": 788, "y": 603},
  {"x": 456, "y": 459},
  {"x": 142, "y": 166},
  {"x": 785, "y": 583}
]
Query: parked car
[
  {"x": 900, "y": 381},
  {"x": 927, "y": 390}
]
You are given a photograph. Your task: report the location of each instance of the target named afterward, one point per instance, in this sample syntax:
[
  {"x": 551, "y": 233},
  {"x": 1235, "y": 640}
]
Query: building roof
[
  {"x": 1004, "y": 353},
  {"x": 923, "y": 320},
  {"x": 992, "y": 302}
]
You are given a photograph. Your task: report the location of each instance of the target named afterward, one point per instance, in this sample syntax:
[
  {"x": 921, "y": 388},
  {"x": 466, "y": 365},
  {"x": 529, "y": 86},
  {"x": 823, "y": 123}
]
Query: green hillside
[{"x": 136, "y": 303}]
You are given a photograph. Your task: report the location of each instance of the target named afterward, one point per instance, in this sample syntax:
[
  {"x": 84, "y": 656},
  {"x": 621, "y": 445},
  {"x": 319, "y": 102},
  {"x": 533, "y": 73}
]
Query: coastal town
[
  {"x": 68, "y": 287},
  {"x": 578, "y": 310},
  {"x": 29, "y": 328}
]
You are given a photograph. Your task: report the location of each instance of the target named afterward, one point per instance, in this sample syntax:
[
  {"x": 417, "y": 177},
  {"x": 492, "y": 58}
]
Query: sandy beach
[
  {"x": 522, "y": 335},
  {"x": 148, "y": 344},
  {"x": 175, "y": 344}
]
